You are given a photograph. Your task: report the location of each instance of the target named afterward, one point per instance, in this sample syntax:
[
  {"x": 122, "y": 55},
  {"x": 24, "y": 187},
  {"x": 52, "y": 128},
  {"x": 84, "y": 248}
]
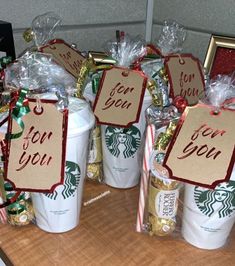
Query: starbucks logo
[
  {"x": 71, "y": 181},
  {"x": 122, "y": 142},
  {"x": 221, "y": 200}
]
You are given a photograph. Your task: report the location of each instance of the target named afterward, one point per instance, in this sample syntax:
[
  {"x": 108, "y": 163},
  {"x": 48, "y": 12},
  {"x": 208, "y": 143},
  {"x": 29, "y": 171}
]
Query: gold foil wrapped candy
[
  {"x": 164, "y": 138},
  {"x": 162, "y": 206},
  {"x": 84, "y": 71},
  {"x": 163, "y": 75},
  {"x": 160, "y": 226},
  {"x": 101, "y": 58},
  {"x": 156, "y": 95},
  {"x": 95, "y": 172},
  {"x": 20, "y": 212},
  {"x": 163, "y": 192},
  {"x": 164, "y": 183},
  {"x": 94, "y": 166}
]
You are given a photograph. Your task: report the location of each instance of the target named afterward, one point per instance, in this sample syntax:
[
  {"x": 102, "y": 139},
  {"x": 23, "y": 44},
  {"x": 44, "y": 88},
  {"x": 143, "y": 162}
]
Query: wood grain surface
[{"x": 106, "y": 236}]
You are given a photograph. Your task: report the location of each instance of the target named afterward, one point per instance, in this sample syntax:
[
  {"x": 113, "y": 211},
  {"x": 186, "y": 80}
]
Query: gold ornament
[{"x": 28, "y": 35}]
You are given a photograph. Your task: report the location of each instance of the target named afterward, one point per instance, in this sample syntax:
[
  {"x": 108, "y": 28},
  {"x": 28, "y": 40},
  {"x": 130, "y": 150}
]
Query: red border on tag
[
  {"x": 167, "y": 58},
  {"x": 176, "y": 133},
  {"x": 17, "y": 194},
  {"x": 64, "y": 142},
  {"x": 140, "y": 103},
  {"x": 58, "y": 41}
]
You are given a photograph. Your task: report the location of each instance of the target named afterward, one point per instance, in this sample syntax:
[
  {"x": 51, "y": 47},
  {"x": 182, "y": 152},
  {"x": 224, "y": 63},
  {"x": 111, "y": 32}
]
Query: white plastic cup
[
  {"x": 209, "y": 215},
  {"x": 122, "y": 153},
  {"x": 59, "y": 211}
]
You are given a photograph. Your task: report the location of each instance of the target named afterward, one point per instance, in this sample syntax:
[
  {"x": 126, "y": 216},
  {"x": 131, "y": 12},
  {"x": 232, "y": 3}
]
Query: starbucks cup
[
  {"x": 59, "y": 211},
  {"x": 122, "y": 155},
  {"x": 209, "y": 215}
]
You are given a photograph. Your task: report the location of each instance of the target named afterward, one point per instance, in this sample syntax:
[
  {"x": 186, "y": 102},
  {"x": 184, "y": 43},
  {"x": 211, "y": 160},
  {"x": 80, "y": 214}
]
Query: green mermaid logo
[
  {"x": 122, "y": 142},
  {"x": 220, "y": 200},
  {"x": 71, "y": 182}
]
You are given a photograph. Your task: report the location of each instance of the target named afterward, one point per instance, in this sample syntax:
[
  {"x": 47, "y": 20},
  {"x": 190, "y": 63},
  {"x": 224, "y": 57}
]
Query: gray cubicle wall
[
  {"x": 89, "y": 23},
  {"x": 201, "y": 18}
]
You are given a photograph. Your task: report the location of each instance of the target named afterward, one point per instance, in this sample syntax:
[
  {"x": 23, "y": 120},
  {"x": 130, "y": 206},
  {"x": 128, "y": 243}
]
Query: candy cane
[{"x": 149, "y": 141}]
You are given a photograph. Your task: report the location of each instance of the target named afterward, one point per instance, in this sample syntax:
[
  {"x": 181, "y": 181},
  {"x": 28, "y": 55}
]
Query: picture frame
[{"x": 220, "y": 56}]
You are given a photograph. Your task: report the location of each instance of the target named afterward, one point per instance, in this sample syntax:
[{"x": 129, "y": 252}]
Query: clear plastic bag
[
  {"x": 42, "y": 29},
  {"x": 219, "y": 89},
  {"x": 126, "y": 50},
  {"x": 40, "y": 74},
  {"x": 37, "y": 72},
  {"x": 159, "y": 201},
  {"x": 171, "y": 38},
  {"x": 202, "y": 217}
]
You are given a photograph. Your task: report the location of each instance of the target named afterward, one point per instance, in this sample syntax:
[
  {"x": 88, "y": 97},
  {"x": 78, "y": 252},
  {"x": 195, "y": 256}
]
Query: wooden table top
[{"x": 106, "y": 236}]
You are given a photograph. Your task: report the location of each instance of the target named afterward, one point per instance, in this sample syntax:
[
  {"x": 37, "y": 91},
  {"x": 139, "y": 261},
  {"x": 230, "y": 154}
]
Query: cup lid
[{"x": 81, "y": 118}]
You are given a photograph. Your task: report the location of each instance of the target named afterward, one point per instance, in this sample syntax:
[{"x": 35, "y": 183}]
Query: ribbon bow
[{"x": 18, "y": 112}]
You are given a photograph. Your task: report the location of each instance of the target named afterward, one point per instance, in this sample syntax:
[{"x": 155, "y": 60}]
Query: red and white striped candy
[{"x": 149, "y": 141}]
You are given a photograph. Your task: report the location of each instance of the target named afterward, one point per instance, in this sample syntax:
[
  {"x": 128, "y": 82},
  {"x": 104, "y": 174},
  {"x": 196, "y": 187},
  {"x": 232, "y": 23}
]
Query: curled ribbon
[
  {"x": 18, "y": 112},
  {"x": 10, "y": 199},
  {"x": 164, "y": 138}
]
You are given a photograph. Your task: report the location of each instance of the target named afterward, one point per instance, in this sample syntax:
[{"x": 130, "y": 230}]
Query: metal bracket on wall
[{"x": 149, "y": 21}]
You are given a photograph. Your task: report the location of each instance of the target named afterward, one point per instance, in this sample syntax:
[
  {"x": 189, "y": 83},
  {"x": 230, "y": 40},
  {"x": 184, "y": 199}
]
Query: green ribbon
[
  {"x": 18, "y": 112},
  {"x": 95, "y": 82},
  {"x": 4, "y": 61},
  {"x": 16, "y": 208},
  {"x": 18, "y": 205}
]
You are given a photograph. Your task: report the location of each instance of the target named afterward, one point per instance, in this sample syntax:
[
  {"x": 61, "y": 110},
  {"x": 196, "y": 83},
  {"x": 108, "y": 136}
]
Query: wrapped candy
[
  {"x": 163, "y": 192},
  {"x": 20, "y": 212},
  {"x": 158, "y": 82},
  {"x": 162, "y": 214},
  {"x": 158, "y": 215},
  {"x": 208, "y": 214},
  {"x": 125, "y": 52},
  {"x": 94, "y": 166},
  {"x": 36, "y": 75}
]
